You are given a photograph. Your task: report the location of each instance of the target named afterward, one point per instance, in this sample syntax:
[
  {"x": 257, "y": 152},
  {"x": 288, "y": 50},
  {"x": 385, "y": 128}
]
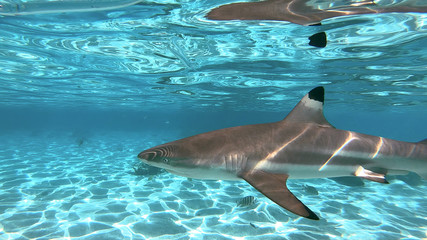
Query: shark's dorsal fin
[
  {"x": 310, "y": 109},
  {"x": 274, "y": 187}
]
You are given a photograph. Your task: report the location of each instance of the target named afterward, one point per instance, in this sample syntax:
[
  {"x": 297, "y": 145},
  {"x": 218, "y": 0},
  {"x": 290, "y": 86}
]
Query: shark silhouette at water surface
[
  {"x": 303, "y": 145},
  {"x": 305, "y": 12}
]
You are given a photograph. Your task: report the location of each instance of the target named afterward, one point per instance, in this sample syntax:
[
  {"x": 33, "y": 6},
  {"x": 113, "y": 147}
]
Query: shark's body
[
  {"x": 305, "y": 12},
  {"x": 303, "y": 145}
]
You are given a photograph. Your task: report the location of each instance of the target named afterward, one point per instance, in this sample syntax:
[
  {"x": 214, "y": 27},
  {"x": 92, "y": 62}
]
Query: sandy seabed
[{"x": 71, "y": 185}]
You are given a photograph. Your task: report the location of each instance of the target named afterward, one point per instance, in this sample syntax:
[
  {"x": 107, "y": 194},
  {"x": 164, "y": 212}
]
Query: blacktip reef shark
[
  {"x": 304, "y": 12},
  {"x": 303, "y": 145}
]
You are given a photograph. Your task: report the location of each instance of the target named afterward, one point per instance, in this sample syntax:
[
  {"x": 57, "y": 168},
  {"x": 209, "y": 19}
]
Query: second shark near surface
[
  {"x": 303, "y": 145},
  {"x": 305, "y": 12}
]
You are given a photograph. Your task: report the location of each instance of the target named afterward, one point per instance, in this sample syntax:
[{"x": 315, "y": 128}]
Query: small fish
[
  {"x": 246, "y": 201},
  {"x": 253, "y": 225},
  {"x": 81, "y": 141}
]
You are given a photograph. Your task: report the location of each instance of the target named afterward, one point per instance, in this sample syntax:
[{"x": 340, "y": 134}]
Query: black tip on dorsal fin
[
  {"x": 318, "y": 40},
  {"x": 317, "y": 94},
  {"x": 310, "y": 108}
]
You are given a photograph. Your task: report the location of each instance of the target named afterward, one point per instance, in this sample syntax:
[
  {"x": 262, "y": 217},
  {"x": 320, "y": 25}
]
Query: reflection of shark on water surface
[
  {"x": 302, "y": 12},
  {"x": 303, "y": 145}
]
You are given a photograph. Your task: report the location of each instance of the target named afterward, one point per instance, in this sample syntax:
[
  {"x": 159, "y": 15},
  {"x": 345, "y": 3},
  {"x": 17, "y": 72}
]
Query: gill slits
[{"x": 234, "y": 162}]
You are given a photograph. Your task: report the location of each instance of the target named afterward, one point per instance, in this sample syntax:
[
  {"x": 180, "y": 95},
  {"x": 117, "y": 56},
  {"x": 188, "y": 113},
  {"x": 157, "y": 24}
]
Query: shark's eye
[{"x": 166, "y": 160}]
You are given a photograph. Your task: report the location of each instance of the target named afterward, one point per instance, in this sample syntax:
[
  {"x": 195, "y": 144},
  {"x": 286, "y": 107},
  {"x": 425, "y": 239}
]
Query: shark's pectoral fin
[
  {"x": 369, "y": 175},
  {"x": 274, "y": 187}
]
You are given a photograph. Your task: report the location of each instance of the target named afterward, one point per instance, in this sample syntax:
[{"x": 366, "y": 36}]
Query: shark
[
  {"x": 306, "y": 12},
  {"x": 303, "y": 145}
]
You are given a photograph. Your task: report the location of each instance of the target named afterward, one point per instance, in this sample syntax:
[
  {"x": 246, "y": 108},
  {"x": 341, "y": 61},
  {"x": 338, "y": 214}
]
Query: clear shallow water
[
  {"x": 83, "y": 93},
  {"x": 79, "y": 185}
]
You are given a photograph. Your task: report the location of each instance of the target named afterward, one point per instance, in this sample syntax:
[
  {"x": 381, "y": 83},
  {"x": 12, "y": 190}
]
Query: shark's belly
[
  {"x": 206, "y": 174},
  {"x": 306, "y": 170},
  {"x": 313, "y": 171}
]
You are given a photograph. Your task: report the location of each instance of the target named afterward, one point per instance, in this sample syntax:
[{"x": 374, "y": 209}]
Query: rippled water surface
[
  {"x": 168, "y": 53},
  {"x": 82, "y": 93}
]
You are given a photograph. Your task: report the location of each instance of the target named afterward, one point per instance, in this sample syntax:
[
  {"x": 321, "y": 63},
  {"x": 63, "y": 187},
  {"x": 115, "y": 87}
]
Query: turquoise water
[{"x": 81, "y": 94}]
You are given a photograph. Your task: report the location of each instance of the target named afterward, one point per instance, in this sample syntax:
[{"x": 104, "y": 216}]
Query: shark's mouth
[
  {"x": 174, "y": 172},
  {"x": 155, "y": 164}
]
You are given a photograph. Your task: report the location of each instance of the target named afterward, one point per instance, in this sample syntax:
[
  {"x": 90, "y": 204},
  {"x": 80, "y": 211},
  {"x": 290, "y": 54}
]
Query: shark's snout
[
  {"x": 147, "y": 155},
  {"x": 158, "y": 153}
]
